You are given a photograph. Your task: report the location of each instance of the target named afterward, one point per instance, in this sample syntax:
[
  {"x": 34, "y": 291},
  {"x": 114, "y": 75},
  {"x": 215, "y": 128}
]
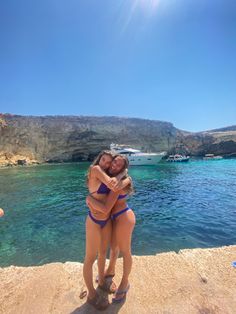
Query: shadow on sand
[{"x": 87, "y": 308}]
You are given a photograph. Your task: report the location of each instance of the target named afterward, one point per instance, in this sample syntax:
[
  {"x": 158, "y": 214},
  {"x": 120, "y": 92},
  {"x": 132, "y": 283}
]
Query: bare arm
[
  {"x": 97, "y": 172},
  {"x": 103, "y": 206},
  {"x": 91, "y": 207},
  {"x": 122, "y": 184}
]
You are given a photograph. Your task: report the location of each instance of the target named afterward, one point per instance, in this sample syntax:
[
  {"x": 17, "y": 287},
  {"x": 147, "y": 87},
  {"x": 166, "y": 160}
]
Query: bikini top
[
  {"x": 122, "y": 196},
  {"x": 103, "y": 189}
]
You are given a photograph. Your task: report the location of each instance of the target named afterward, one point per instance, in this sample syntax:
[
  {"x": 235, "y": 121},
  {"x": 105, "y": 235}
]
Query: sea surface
[{"x": 177, "y": 205}]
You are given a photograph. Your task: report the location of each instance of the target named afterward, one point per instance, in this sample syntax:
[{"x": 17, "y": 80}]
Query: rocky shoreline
[
  {"x": 9, "y": 160},
  {"x": 194, "y": 281},
  {"x": 29, "y": 140}
]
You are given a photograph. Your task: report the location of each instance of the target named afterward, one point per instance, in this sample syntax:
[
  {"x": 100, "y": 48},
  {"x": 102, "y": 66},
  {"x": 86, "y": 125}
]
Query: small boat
[
  {"x": 211, "y": 156},
  {"x": 177, "y": 158},
  {"x": 136, "y": 157}
]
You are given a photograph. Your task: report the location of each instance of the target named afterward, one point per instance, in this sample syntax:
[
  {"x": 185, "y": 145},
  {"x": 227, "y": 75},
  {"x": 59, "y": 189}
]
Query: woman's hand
[
  {"x": 122, "y": 184},
  {"x": 112, "y": 183},
  {"x": 119, "y": 186}
]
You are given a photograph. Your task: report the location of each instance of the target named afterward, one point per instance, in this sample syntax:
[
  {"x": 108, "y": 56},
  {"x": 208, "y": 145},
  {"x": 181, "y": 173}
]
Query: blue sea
[{"x": 177, "y": 205}]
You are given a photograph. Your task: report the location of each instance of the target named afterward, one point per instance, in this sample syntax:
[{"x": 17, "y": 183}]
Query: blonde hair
[{"x": 129, "y": 189}]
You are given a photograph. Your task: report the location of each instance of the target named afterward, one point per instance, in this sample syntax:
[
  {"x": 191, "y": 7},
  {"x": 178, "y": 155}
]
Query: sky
[{"x": 168, "y": 60}]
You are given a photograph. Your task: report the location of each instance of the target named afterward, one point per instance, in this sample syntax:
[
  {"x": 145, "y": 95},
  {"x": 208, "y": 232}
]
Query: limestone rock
[
  {"x": 190, "y": 282},
  {"x": 76, "y": 138}
]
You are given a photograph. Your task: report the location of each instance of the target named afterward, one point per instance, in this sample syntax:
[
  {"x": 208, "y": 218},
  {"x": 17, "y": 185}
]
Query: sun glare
[
  {"x": 149, "y": 5},
  {"x": 148, "y": 8}
]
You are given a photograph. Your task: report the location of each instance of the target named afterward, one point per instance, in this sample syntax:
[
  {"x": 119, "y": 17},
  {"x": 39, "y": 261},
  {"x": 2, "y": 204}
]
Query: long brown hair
[
  {"x": 129, "y": 189},
  {"x": 97, "y": 160}
]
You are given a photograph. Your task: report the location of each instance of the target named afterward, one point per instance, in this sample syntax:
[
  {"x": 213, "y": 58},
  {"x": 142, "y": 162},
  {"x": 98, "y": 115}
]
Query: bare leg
[
  {"x": 114, "y": 253},
  {"x": 123, "y": 231},
  {"x": 93, "y": 240},
  {"x": 102, "y": 252}
]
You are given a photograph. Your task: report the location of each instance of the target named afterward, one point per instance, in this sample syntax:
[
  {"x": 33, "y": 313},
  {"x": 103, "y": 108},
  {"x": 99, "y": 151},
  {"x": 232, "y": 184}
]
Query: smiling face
[
  {"x": 117, "y": 165},
  {"x": 105, "y": 161}
]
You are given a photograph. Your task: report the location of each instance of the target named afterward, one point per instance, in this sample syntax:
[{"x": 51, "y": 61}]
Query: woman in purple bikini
[
  {"x": 123, "y": 222},
  {"x": 98, "y": 222}
]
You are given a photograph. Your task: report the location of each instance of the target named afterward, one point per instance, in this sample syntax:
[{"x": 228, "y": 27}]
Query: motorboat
[
  {"x": 178, "y": 158},
  {"x": 135, "y": 156},
  {"x": 211, "y": 156}
]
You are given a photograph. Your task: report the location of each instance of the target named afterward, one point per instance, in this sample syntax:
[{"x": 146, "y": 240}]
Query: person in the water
[
  {"x": 123, "y": 222},
  {"x": 98, "y": 224},
  {"x": 1, "y": 212}
]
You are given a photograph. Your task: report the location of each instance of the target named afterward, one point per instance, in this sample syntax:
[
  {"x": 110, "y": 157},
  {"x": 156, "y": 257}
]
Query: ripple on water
[{"x": 176, "y": 206}]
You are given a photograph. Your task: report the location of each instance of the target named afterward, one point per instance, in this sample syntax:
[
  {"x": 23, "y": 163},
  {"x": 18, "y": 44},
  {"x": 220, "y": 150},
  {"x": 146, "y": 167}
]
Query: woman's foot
[
  {"x": 91, "y": 295},
  {"x": 120, "y": 293},
  {"x": 108, "y": 286},
  {"x": 98, "y": 302},
  {"x": 106, "y": 276},
  {"x": 109, "y": 273}
]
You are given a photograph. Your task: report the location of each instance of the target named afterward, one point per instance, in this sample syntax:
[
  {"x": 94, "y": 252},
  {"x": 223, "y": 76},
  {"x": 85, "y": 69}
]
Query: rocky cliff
[{"x": 74, "y": 138}]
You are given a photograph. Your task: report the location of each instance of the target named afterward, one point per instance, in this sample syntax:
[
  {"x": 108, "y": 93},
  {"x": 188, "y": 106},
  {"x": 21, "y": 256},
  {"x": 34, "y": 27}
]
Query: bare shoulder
[
  {"x": 95, "y": 169},
  {"x": 93, "y": 183}
]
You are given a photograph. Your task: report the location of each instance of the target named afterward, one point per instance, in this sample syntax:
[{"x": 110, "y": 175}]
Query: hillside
[{"x": 76, "y": 138}]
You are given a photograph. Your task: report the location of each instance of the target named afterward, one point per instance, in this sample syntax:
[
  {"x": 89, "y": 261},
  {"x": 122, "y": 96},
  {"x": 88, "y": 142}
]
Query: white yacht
[
  {"x": 211, "y": 156},
  {"x": 178, "y": 158},
  {"x": 136, "y": 157}
]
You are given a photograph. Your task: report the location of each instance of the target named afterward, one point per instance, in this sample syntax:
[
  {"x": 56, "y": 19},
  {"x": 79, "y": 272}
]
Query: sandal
[
  {"x": 98, "y": 302},
  {"x": 124, "y": 292},
  {"x": 83, "y": 294}
]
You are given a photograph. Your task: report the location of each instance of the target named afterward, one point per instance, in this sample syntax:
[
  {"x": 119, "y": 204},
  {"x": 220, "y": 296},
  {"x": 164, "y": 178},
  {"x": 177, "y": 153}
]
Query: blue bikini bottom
[
  {"x": 114, "y": 216},
  {"x": 101, "y": 223}
]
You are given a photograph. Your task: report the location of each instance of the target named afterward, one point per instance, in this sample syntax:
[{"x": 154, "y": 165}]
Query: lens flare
[
  {"x": 147, "y": 8},
  {"x": 148, "y": 4}
]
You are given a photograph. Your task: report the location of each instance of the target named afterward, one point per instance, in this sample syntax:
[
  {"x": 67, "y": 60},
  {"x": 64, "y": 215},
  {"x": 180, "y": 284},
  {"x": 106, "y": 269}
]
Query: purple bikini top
[
  {"x": 122, "y": 196},
  {"x": 103, "y": 189}
]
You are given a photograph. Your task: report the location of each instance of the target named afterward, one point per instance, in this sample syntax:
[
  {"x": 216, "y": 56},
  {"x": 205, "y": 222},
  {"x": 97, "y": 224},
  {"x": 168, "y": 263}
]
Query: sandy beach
[{"x": 201, "y": 281}]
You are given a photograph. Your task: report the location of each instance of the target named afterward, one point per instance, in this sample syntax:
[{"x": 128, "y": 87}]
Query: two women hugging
[{"x": 110, "y": 222}]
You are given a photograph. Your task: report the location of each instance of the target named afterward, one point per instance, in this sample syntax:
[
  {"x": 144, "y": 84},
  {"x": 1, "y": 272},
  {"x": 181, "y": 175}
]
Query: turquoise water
[{"x": 177, "y": 206}]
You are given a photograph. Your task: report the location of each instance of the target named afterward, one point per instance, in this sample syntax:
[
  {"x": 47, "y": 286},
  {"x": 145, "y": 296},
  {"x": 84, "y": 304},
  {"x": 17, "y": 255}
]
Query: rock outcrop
[
  {"x": 190, "y": 282},
  {"x": 26, "y": 139}
]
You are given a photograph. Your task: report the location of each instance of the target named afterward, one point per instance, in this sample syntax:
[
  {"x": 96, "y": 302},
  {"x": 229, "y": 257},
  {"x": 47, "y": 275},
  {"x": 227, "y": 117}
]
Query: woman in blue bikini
[
  {"x": 123, "y": 222},
  {"x": 98, "y": 222}
]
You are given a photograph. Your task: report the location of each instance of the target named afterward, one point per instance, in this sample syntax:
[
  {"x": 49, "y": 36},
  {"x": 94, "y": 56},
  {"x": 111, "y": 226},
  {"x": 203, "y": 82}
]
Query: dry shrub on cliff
[{"x": 2, "y": 121}]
